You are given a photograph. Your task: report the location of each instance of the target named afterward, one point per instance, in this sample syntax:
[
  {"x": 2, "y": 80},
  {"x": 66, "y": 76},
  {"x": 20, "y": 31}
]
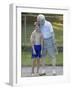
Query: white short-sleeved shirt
[{"x": 46, "y": 30}]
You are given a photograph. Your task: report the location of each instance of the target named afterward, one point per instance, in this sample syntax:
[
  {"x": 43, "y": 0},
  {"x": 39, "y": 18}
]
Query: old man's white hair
[{"x": 41, "y": 19}]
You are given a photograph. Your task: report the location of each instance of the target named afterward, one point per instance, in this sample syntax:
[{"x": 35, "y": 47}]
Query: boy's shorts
[{"x": 37, "y": 50}]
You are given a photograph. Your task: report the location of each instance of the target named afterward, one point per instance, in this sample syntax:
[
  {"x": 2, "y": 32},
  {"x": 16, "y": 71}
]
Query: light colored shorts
[{"x": 49, "y": 48}]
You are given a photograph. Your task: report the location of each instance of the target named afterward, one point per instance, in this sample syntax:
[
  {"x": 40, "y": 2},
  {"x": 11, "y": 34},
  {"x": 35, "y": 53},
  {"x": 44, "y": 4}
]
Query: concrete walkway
[{"x": 26, "y": 71}]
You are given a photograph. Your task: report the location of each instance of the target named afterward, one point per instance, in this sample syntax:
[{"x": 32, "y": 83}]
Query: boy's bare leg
[
  {"x": 33, "y": 65},
  {"x": 38, "y": 65}
]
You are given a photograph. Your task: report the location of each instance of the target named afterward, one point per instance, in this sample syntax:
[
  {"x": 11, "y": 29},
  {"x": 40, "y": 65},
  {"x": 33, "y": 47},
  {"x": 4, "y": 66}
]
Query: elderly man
[{"x": 49, "y": 44}]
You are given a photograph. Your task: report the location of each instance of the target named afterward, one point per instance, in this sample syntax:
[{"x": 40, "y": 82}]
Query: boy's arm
[
  {"x": 41, "y": 39},
  {"x": 32, "y": 42},
  {"x": 41, "y": 43}
]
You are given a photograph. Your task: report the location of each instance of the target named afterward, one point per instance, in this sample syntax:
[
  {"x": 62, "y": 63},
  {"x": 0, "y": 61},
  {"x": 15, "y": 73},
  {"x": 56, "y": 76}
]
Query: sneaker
[
  {"x": 42, "y": 73},
  {"x": 33, "y": 74}
]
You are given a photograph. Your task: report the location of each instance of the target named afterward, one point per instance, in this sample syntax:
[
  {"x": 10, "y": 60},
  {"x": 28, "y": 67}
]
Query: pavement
[{"x": 26, "y": 71}]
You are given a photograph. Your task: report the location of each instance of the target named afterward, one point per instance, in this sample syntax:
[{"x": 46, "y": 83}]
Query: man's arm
[
  {"x": 53, "y": 36},
  {"x": 52, "y": 32}
]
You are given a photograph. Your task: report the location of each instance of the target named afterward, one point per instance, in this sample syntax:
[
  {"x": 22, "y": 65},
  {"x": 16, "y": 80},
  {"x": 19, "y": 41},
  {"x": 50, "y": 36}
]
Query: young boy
[{"x": 36, "y": 42}]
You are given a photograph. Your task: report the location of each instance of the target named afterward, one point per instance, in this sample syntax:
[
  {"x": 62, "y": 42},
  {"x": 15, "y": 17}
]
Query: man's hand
[{"x": 57, "y": 52}]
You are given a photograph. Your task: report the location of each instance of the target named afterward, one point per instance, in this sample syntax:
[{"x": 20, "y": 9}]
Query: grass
[{"x": 26, "y": 59}]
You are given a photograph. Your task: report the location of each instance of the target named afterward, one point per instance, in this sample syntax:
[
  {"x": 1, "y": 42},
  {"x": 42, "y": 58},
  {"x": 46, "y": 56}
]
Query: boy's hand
[
  {"x": 41, "y": 52},
  {"x": 34, "y": 52}
]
